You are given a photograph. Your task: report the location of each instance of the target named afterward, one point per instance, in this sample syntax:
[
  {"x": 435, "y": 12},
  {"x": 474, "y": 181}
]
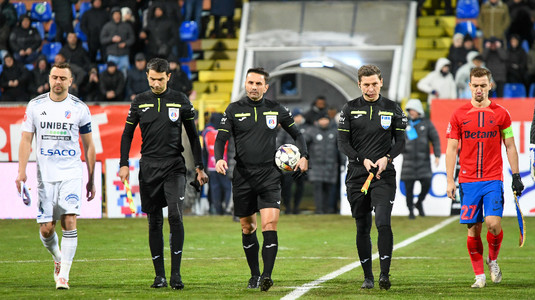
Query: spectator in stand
[
  {"x": 179, "y": 79},
  {"x": 495, "y": 58},
  {"x": 457, "y": 53},
  {"x": 223, "y": 8},
  {"x": 91, "y": 23},
  {"x": 521, "y": 21},
  {"x": 5, "y": 30},
  {"x": 493, "y": 20},
  {"x": 112, "y": 83},
  {"x": 317, "y": 110},
  {"x": 287, "y": 180},
  {"x": 194, "y": 11},
  {"x": 90, "y": 90},
  {"x": 25, "y": 41},
  {"x": 117, "y": 37},
  {"x": 439, "y": 84},
  {"x": 136, "y": 81},
  {"x": 468, "y": 44},
  {"x": 462, "y": 78},
  {"x": 517, "y": 61},
  {"x": 9, "y": 12},
  {"x": 78, "y": 74},
  {"x": 530, "y": 74},
  {"x": 135, "y": 23},
  {"x": 160, "y": 35},
  {"x": 62, "y": 10},
  {"x": 39, "y": 80},
  {"x": 324, "y": 162},
  {"x": 74, "y": 52},
  {"x": 14, "y": 80}
]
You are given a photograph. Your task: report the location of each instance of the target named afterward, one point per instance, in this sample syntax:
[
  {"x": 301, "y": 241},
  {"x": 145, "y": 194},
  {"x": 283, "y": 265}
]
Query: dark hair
[
  {"x": 261, "y": 71},
  {"x": 62, "y": 65},
  {"x": 158, "y": 65},
  {"x": 480, "y": 72},
  {"x": 369, "y": 70}
]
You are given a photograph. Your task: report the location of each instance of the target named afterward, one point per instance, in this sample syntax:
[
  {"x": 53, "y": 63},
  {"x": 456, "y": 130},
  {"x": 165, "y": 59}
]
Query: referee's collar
[{"x": 254, "y": 103}]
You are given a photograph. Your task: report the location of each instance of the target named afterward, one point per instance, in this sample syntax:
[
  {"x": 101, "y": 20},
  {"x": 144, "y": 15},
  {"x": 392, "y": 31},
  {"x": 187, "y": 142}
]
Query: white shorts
[{"x": 58, "y": 198}]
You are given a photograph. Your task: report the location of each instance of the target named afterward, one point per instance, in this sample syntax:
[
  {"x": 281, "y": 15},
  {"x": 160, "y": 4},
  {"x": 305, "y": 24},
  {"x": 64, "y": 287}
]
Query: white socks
[
  {"x": 69, "y": 242},
  {"x": 51, "y": 244}
]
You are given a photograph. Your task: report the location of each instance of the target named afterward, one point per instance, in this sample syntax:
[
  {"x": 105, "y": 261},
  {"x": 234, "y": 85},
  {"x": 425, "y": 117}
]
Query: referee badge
[
  {"x": 386, "y": 121},
  {"x": 173, "y": 113},
  {"x": 271, "y": 122}
]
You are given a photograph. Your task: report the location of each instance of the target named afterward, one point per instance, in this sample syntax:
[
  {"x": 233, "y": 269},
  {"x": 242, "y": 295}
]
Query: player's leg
[
  {"x": 493, "y": 205},
  {"x": 47, "y": 224},
  {"x": 175, "y": 187},
  {"x": 155, "y": 219},
  {"x": 270, "y": 218},
  {"x": 475, "y": 250},
  {"x": 251, "y": 248},
  {"x": 409, "y": 190}
]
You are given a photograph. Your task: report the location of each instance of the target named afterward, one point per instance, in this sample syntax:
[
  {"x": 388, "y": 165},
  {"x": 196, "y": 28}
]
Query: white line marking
[{"x": 300, "y": 291}]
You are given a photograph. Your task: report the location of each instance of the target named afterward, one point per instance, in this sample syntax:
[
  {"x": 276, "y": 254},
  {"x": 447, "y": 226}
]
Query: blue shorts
[{"x": 481, "y": 197}]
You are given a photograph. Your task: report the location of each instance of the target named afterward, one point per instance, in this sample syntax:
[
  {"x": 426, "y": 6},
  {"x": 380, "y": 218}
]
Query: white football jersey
[{"x": 57, "y": 127}]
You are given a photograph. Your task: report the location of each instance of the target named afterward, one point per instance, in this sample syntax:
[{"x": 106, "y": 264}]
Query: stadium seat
[
  {"x": 531, "y": 90},
  {"x": 102, "y": 68},
  {"x": 514, "y": 90},
  {"x": 525, "y": 46},
  {"x": 467, "y": 9},
  {"x": 41, "y": 11},
  {"x": 40, "y": 28},
  {"x": 84, "y": 6},
  {"x": 51, "y": 35},
  {"x": 189, "y": 54},
  {"x": 79, "y": 33},
  {"x": 29, "y": 67},
  {"x": 1, "y": 68},
  {"x": 189, "y": 31},
  {"x": 50, "y": 50},
  {"x": 186, "y": 69},
  {"x": 20, "y": 7},
  {"x": 466, "y": 27}
]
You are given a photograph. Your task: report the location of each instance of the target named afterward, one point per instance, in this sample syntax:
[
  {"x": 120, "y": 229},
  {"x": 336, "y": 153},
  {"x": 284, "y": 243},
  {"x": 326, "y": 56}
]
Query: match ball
[{"x": 286, "y": 157}]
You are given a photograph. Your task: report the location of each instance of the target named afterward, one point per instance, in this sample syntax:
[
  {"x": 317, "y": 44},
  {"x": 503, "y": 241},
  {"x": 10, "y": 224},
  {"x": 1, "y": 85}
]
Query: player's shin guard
[
  {"x": 69, "y": 242},
  {"x": 269, "y": 251},
  {"x": 156, "y": 242},
  {"x": 52, "y": 245},
  {"x": 176, "y": 243},
  {"x": 251, "y": 247},
  {"x": 495, "y": 242},
  {"x": 385, "y": 243},
  {"x": 364, "y": 244},
  {"x": 475, "y": 249}
]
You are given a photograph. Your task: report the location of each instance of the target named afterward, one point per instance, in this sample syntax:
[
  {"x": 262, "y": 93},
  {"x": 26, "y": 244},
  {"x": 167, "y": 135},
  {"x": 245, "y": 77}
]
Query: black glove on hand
[
  {"x": 196, "y": 185},
  {"x": 298, "y": 174},
  {"x": 517, "y": 185}
]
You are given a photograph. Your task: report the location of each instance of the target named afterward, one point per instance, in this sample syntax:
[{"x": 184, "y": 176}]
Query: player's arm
[
  {"x": 90, "y": 159},
  {"x": 224, "y": 133},
  {"x": 288, "y": 124},
  {"x": 532, "y": 147},
  {"x": 512, "y": 157},
  {"x": 25, "y": 148},
  {"x": 193, "y": 136},
  {"x": 451, "y": 160},
  {"x": 126, "y": 139},
  {"x": 344, "y": 136}
]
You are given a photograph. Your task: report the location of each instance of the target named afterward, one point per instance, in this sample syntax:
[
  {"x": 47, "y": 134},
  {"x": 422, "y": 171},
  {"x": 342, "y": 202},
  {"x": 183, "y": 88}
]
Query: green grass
[{"x": 113, "y": 261}]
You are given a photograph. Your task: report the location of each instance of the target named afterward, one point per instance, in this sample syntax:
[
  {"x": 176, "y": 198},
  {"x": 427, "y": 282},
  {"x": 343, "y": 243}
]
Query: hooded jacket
[
  {"x": 443, "y": 86},
  {"x": 121, "y": 29}
]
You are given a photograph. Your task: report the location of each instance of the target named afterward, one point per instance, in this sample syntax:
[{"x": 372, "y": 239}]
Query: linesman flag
[
  {"x": 521, "y": 223},
  {"x": 129, "y": 198}
]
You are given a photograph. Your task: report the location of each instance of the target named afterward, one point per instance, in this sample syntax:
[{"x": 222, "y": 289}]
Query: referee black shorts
[
  {"x": 161, "y": 182},
  {"x": 254, "y": 189},
  {"x": 380, "y": 193}
]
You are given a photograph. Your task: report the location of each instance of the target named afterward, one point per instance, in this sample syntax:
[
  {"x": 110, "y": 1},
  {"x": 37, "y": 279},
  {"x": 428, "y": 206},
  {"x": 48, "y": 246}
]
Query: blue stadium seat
[
  {"x": 514, "y": 90},
  {"x": 40, "y": 28},
  {"x": 79, "y": 33},
  {"x": 102, "y": 68},
  {"x": 50, "y": 50},
  {"x": 467, "y": 9},
  {"x": 466, "y": 27},
  {"x": 186, "y": 69},
  {"x": 51, "y": 35},
  {"x": 20, "y": 7},
  {"x": 1, "y": 68},
  {"x": 189, "y": 54},
  {"x": 531, "y": 90},
  {"x": 189, "y": 31},
  {"x": 29, "y": 67},
  {"x": 84, "y": 6},
  {"x": 525, "y": 46},
  {"x": 41, "y": 11}
]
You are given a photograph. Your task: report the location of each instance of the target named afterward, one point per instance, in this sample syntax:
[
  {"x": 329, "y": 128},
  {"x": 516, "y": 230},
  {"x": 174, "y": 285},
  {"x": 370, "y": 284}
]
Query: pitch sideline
[{"x": 300, "y": 291}]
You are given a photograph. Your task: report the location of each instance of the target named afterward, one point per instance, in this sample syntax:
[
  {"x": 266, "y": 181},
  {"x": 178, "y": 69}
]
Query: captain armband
[{"x": 507, "y": 132}]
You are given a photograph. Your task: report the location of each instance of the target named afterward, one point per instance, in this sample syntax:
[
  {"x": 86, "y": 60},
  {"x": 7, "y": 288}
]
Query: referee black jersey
[
  {"x": 371, "y": 129},
  {"x": 160, "y": 118},
  {"x": 253, "y": 124}
]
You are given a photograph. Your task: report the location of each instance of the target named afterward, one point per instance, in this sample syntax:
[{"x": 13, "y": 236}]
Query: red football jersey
[{"x": 479, "y": 131}]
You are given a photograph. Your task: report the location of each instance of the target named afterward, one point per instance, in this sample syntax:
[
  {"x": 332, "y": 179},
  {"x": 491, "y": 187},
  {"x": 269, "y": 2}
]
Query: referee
[
  {"x": 371, "y": 134},
  {"x": 160, "y": 113},
  {"x": 252, "y": 121}
]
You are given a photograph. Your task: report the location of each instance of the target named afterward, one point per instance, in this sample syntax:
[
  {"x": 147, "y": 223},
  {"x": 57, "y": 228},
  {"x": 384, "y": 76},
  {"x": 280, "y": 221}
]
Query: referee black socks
[
  {"x": 269, "y": 251},
  {"x": 385, "y": 243},
  {"x": 251, "y": 247}
]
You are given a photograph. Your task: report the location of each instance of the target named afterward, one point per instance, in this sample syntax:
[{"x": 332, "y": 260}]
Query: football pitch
[{"x": 113, "y": 261}]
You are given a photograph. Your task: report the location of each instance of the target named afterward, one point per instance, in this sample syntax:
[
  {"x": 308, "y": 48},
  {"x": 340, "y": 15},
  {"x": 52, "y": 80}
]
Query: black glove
[
  {"x": 517, "y": 185},
  {"x": 196, "y": 185},
  {"x": 298, "y": 174}
]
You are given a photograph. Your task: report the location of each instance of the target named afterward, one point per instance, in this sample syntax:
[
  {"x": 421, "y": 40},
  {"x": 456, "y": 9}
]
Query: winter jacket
[
  {"x": 517, "y": 61},
  {"x": 416, "y": 156},
  {"x": 493, "y": 20},
  {"x": 112, "y": 82},
  {"x": 136, "y": 82},
  {"x": 78, "y": 55},
  {"x": 18, "y": 93},
  {"x": 92, "y": 22},
  {"x": 324, "y": 158},
  {"x": 462, "y": 77},
  {"x": 496, "y": 61},
  {"x": 444, "y": 86},
  {"x": 21, "y": 38},
  {"x": 121, "y": 29}
]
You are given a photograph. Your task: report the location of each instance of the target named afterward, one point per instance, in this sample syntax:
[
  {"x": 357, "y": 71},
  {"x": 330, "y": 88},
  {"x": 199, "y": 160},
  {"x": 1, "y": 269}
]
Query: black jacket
[
  {"x": 16, "y": 72},
  {"x": 416, "y": 159}
]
